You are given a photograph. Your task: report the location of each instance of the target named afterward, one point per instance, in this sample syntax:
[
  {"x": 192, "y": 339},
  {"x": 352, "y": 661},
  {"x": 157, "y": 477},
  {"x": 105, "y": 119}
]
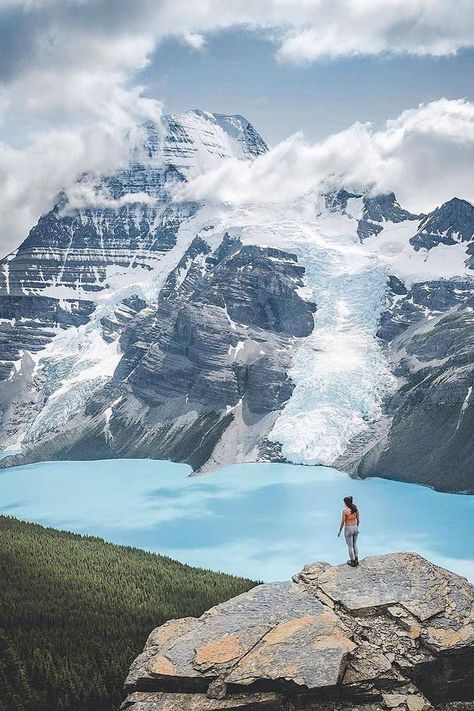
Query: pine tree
[
  {"x": 14, "y": 690},
  {"x": 75, "y": 611}
]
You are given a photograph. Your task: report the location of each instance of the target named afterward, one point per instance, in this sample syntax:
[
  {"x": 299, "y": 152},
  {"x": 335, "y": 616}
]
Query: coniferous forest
[{"x": 75, "y": 611}]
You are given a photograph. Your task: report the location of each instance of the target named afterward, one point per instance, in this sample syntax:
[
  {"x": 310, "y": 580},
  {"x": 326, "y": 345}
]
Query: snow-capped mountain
[
  {"x": 451, "y": 223},
  {"x": 335, "y": 329}
]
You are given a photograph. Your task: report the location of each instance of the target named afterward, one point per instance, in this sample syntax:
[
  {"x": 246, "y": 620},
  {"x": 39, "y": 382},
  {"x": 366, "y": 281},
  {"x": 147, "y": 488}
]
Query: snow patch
[
  {"x": 393, "y": 247},
  {"x": 464, "y": 406},
  {"x": 108, "y": 416},
  {"x": 234, "y": 350}
]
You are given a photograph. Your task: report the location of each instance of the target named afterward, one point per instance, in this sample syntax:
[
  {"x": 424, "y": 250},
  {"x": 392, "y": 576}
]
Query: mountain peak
[
  {"x": 197, "y": 140},
  {"x": 380, "y": 208},
  {"x": 450, "y": 223},
  {"x": 458, "y": 202}
]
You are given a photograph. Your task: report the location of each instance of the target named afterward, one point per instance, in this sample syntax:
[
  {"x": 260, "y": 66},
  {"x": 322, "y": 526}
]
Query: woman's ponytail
[{"x": 350, "y": 505}]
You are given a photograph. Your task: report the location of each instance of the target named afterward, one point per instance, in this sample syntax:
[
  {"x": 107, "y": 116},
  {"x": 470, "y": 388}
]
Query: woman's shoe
[
  {"x": 351, "y": 563},
  {"x": 356, "y": 562}
]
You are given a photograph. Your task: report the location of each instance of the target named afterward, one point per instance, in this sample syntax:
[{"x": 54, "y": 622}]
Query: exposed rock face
[
  {"x": 338, "y": 200},
  {"x": 432, "y": 413},
  {"x": 451, "y": 223},
  {"x": 427, "y": 328},
  {"x": 54, "y": 280},
  {"x": 212, "y": 357},
  {"x": 424, "y": 299},
  {"x": 29, "y": 323},
  {"x": 429, "y": 335},
  {"x": 73, "y": 252},
  {"x": 71, "y": 255},
  {"x": 395, "y": 633},
  {"x": 136, "y": 322},
  {"x": 200, "y": 135},
  {"x": 378, "y": 209}
]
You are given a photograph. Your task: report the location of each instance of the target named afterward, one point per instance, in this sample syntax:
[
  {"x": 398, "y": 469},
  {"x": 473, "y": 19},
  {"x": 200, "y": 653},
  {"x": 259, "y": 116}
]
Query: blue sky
[{"x": 237, "y": 72}]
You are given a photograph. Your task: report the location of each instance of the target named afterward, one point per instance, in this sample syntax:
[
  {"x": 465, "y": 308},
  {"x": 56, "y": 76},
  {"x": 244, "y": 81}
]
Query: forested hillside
[{"x": 75, "y": 611}]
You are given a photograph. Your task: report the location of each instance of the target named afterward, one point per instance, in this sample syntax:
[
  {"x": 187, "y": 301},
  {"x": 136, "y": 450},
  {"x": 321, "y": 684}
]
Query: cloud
[
  {"x": 33, "y": 175},
  {"x": 72, "y": 56},
  {"x": 194, "y": 40},
  {"x": 425, "y": 155},
  {"x": 90, "y": 194},
  {"x": 117, "y": 32},
  {"x": 67, "y": 100},
  {"x": 368, "y": 27},
  {"x": 68, "y": 92}
]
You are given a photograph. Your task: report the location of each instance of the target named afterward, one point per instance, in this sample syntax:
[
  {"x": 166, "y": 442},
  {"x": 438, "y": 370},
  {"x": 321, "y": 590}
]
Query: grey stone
[
  {"x": 263, "y": 629},
  {"x": 378, "y": 582},
  {"x": 161, "y": 701},
  {"x": 451, "y": 223},
  {"x": 395, "y": 633},
  {"x": 337, "y": 200},
  {"x": 378, "y": 209},
  {"x": 208, "y": 352},
  {"x": 431, "y": 415},
  {"x": 428, "y": 298}
]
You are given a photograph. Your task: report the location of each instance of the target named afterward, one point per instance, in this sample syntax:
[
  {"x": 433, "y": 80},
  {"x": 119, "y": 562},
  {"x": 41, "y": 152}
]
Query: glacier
[{"x": 340, "y": 371}]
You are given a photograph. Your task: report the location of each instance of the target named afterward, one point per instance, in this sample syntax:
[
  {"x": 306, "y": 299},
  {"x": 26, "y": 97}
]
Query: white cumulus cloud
[{"x": 425, "y": 156}]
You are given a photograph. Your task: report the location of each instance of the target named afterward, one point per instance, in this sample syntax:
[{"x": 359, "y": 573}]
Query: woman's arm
[
  {"x": 358, "y": 520},
  {"x": 342, "y": 525}
]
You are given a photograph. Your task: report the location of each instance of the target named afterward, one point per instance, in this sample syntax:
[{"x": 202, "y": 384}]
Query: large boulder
[{"x": 395, "y": 633}]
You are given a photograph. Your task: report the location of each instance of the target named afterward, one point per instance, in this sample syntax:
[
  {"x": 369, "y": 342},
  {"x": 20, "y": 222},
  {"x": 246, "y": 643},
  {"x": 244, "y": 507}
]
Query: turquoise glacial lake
[{"x": 264, "y": 521}]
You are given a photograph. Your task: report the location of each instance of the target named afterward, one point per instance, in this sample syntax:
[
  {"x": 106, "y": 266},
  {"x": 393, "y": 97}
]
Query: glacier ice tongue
[{"x": 340, "y": 371}]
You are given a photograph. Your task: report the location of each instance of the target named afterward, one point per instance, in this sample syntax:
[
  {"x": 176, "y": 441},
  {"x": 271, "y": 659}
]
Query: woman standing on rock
[{"x": 350, "y": 523}]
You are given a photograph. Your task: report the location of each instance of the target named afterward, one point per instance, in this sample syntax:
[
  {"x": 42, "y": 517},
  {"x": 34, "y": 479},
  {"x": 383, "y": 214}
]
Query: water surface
[{"x": 264, "y": 521}]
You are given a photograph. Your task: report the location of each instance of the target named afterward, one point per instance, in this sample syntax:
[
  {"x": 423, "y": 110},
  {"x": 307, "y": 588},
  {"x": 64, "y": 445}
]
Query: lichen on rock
[{"x": 395, "y": 633}]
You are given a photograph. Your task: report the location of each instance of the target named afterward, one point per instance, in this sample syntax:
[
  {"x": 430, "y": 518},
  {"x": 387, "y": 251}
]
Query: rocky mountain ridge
[
  {"x": 333, "y": 330},
  {"x": 448, "y": 224},
  {"x": 395, "y": 633}
]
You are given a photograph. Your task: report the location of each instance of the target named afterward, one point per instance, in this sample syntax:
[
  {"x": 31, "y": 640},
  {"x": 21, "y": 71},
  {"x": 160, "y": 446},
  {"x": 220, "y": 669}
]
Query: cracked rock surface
[{"x": 395, "y": 633}]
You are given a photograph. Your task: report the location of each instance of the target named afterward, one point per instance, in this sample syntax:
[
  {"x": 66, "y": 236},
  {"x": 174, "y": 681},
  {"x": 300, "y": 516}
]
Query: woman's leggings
[{"x": 351, "y": 532}]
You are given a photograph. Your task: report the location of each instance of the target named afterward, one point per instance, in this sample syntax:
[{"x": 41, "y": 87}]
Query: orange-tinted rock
[{"x": 395, "y": 633}]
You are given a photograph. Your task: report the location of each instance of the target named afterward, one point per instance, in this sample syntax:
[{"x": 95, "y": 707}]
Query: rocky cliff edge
[{"x": 395, "y": 633}]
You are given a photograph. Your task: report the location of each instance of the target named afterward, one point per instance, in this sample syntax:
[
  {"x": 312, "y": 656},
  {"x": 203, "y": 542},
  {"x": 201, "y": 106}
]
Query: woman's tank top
[{"x": 350, "y": 519}]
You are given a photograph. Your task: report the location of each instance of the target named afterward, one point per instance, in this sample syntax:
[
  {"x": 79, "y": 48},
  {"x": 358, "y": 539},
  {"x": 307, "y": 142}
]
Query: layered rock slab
[
  {"x": 252, "y": 637},
  {"x": 395, "y": 633}
]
